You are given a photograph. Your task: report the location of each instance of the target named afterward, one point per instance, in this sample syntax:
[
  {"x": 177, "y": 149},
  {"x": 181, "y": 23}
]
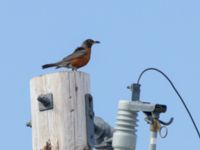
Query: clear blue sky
[{"x": 133, "y": 34}]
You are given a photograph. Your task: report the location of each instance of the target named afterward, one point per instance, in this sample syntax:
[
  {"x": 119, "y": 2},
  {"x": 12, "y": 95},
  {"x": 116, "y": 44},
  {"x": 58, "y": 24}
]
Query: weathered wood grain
[{"x": 63, "y": 127}]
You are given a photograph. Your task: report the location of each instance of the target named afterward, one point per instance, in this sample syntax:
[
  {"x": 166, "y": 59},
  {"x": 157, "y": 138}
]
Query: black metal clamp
[
  {"x": 99, "y": 133},
  {"x": 45, "y": 102},
  {"x": 89, "y": 120}
]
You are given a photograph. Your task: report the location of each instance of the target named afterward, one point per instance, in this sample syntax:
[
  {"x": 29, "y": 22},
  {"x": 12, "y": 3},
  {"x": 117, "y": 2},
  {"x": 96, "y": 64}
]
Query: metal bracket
[
  {"x": 29, "y": 124},
  {"x": 135, "y": 89},
  {"x": 45, "y": 102},
  {"x": 89, "y": 120}
]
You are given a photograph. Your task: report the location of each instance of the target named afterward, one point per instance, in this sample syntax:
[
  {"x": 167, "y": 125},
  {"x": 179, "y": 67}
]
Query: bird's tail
[{"x": 49, "y": 65}]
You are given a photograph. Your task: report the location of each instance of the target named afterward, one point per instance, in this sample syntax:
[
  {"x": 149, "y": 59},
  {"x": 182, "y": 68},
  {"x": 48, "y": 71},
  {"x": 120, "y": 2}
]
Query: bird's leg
[{"x": 74, "y": 69}]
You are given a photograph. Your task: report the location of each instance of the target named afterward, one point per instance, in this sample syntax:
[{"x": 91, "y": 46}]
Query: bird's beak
[{"x": 96, "y": 42}]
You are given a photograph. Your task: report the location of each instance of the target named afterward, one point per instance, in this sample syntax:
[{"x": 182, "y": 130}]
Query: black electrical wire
[{"x": 188, "y": 111}]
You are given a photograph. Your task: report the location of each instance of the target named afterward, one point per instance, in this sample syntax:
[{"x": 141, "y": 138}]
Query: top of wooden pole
[
  {"x": 61, "y": 72},
  {"x": 64, "y": 126}
]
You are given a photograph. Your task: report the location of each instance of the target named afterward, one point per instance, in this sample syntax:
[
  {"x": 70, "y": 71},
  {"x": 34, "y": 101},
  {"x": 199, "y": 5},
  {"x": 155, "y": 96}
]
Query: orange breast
[{"x": 80, "y": 61}]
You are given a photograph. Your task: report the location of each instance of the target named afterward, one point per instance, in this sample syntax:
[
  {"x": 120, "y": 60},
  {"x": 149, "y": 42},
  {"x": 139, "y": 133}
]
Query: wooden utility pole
[{"x": 62, "y": 127}]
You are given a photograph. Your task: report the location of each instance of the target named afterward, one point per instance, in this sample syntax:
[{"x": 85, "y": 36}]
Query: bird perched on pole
[{"x": 79, "y": 58}]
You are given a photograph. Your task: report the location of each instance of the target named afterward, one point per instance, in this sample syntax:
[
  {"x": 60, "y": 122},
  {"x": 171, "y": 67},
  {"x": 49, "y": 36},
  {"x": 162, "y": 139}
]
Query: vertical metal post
[
  {"x": 153, "y": 140},
  {"x": 154, "y": 128}
]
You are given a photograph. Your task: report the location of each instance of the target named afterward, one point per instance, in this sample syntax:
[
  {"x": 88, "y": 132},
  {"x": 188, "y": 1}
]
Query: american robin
[{"x": 79, "y": 58}]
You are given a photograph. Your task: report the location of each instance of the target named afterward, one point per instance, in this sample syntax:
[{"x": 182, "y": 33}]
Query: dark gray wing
[{"x": 79, "y": 51}]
